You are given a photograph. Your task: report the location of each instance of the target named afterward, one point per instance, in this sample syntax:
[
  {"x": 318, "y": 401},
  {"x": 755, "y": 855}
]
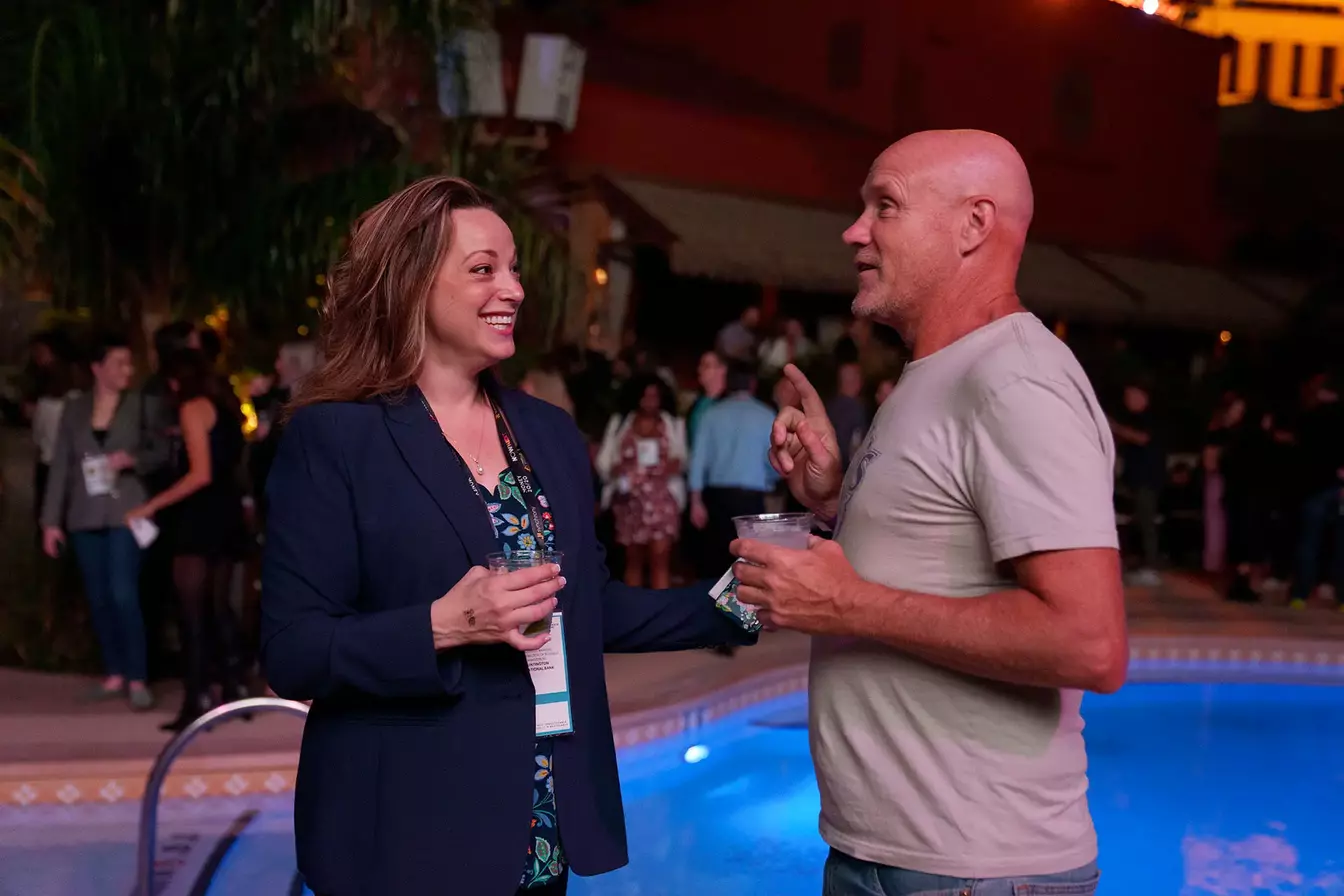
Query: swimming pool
[{"x": 1197, "y": 790}]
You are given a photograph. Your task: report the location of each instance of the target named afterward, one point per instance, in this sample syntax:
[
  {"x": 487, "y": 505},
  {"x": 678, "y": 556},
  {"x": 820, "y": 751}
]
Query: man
[
  {"x": 1319, "y": 488},
  {"x": 973, "y": 589},
  {"x": 729, "y": 475},
  {"x": 1143, "y": 468},
  {"x": 847, "y": 411},
  {"x": 737, "y": 340}
]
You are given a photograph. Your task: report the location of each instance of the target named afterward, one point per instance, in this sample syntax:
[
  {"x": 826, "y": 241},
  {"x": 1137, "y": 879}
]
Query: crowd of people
[
  {"x": 969, "y": 569},
  {"x": 1257, "y": 504},
  {"x": 158, "y": 494}
]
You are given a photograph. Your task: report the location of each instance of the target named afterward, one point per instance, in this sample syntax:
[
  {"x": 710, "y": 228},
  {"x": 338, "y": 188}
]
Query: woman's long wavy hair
[{"x": 374, "y": 316}]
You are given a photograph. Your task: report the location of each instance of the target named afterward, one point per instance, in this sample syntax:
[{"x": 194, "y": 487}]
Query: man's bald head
[{"x": 946, "y": 215}]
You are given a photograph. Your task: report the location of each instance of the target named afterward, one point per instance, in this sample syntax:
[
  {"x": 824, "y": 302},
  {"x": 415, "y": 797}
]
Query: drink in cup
[
  {"x": 516, "y": 560},
  {"x": 787, "y": 530}
]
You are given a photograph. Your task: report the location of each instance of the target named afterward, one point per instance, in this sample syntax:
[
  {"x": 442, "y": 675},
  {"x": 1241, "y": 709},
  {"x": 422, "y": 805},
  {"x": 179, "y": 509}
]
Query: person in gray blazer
[{"x": 105, "y": 442}]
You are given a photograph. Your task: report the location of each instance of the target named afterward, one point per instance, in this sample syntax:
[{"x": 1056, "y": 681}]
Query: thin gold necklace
[{"x": 480, "y": 443}]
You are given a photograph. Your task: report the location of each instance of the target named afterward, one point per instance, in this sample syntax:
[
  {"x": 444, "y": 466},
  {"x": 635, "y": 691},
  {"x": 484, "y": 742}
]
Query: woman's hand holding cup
[{"x": 494, "y": 607}]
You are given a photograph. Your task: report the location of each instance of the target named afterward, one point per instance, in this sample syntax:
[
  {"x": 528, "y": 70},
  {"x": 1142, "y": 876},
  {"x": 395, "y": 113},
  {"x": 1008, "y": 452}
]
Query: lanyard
[{"x": 539, "y": 518}]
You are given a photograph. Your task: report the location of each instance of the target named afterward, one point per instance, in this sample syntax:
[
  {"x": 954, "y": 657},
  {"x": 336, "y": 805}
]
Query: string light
[
  {"x": 1225, "y": 337},
  {"x": 303, "y": 329},
  {"x": 600, "y": 276}
]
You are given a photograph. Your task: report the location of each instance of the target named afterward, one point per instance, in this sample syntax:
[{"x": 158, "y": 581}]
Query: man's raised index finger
[{"x": 812, "y": 403}]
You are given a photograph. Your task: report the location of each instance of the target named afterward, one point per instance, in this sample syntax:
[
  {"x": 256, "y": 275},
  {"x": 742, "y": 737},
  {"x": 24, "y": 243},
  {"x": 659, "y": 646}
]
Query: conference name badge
[
  {"x": 549, "y": 668},
  {"x": 724, "y": 594}
]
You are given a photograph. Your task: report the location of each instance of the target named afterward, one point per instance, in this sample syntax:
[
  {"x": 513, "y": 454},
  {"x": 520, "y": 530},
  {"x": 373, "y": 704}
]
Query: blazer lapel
[
  {"x": 557, "y": 482},
  {"x": 431, "y": 459}
]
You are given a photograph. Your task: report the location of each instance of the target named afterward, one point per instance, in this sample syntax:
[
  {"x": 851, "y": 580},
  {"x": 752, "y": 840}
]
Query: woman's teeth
[{"x": 499, "y": 321}]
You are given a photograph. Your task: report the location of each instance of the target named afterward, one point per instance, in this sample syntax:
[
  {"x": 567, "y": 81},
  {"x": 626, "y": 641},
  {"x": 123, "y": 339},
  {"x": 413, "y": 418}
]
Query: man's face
[
  {"x": 713, "y": 374},
  {"x": 903, "y": 247},
  {"x": 850, "y": 380},
  {"x": 1136, "y": 399}
]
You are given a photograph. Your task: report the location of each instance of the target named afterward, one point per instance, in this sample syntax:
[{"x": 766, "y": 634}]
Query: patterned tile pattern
[
  {"x": 1152, "y": 658},
  {"x": 191, "y": 783}
]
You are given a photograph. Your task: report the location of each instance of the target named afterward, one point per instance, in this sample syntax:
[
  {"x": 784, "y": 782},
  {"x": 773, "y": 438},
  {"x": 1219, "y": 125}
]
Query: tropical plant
[
  {"x": 215, "y": 153},
  {"x": 22, "y": 214}
]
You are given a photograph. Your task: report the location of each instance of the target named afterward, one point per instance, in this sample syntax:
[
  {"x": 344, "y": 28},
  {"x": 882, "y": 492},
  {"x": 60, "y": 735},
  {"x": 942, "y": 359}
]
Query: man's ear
[{"x": 981, "y": 217}]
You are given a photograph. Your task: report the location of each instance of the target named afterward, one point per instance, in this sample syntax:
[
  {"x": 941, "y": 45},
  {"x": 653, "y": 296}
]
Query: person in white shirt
[{"x": 973, "y": 590}]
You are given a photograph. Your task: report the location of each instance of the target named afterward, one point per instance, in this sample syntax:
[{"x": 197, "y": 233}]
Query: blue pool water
[{"x": 1197, "y": 790}]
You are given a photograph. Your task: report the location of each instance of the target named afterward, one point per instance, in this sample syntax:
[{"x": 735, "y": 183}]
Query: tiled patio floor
[{"x": 42, "y": 720}]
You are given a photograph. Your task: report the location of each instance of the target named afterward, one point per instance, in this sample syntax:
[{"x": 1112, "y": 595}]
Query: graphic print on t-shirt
[{"x": 861, "y": 465}]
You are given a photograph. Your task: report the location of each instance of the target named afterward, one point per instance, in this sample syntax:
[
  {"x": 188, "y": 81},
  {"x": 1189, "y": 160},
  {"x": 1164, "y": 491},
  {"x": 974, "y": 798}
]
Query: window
[
  {"x": 1328, "y": 74},
  {"x": 1233, "y": 69},
  {"x": 1295, "y": 87},
  {"x": 1263, "y": 69},
  {"x": 844, "y": 56}
]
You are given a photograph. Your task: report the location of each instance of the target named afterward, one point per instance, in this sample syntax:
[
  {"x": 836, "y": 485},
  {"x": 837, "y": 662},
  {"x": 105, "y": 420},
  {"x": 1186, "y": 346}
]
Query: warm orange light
[
  {"x": 600, "y": 276},
  {"x": 1162, "y": 8},
  {"x": 303, "y": 329},
  {"x": 313, "y": 302},
  {"x": 1225, "y": 337}
]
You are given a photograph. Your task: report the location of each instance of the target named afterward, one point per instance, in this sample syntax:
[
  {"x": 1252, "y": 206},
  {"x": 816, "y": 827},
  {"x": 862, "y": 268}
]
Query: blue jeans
[
  {"x": 1319, "y": 513},
  {"x": 110, "y": 562},
  {"x": 848, "y": 876}
]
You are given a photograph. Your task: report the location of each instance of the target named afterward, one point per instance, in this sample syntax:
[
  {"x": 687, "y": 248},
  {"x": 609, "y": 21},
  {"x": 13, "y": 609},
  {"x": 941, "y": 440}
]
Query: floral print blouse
[{"x": 545, "y": 857}]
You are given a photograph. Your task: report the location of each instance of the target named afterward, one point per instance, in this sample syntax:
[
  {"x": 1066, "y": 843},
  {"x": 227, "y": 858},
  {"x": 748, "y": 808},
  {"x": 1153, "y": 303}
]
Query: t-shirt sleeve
[{"x": 1040, "y": 467}]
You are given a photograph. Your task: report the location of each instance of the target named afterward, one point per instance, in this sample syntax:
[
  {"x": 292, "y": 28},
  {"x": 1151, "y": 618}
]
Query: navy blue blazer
[{"x": 416, "y": 768}]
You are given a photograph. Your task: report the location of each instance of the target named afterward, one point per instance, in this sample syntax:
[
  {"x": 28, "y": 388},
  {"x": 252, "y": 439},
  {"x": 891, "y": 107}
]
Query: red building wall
[{"x": 1114, "y": 111}]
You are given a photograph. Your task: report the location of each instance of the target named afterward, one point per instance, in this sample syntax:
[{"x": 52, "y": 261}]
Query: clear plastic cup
[
  {"x": 787, "y": 530},
  {"x": 516, "y": 560}
]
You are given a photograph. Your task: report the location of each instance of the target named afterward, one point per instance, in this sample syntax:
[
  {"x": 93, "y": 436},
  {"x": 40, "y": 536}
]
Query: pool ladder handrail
[{"x": 149, "y": 803}]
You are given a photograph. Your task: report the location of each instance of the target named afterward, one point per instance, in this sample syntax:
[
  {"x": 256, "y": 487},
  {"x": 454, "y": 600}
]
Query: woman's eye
[{"x": 481, "y": 269}]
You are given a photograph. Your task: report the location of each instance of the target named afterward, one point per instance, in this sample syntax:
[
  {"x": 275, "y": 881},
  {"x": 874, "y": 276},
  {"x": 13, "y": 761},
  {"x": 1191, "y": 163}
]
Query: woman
[
  {"x": 102, "y": 445},
  {"x": 1240, "y": 453},
  {"x": 202, "y": 518},
  {"x": 401, "y": 469},
  {"x": 640, "y": 463},
  {"x": 1215, "y": 522},
  {"x": 57, "y": 386},
  {"x": 545, "y": 381}
]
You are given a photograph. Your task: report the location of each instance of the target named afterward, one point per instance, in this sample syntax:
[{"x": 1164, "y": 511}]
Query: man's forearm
[{"x": 1011, "y": 636}]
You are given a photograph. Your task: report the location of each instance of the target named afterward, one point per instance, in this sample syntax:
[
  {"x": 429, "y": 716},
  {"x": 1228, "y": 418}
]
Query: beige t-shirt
[{"x": 992, "y": 448}]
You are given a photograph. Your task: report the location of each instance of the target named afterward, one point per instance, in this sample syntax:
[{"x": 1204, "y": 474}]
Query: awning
[
  {"x": 1052, "y": 282},
  {"x": 733, "y": 238},
  {"x": 1188, "y": 296},
  {"x": 743, "y": 240}
]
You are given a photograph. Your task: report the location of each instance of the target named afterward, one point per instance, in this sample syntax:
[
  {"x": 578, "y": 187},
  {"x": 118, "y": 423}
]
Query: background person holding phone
[{"x": 102, "y": 449}]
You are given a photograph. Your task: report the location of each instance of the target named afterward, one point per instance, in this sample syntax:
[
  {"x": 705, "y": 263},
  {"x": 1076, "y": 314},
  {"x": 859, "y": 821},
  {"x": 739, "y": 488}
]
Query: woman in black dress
[{"x": 202, "y": 519}]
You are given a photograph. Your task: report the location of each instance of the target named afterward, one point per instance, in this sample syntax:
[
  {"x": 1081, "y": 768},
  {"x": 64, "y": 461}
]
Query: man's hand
[
  {"x": 53, "y": 541},
  {"x": 699, "y": 513},
  {"x": 804, "y": 450},
  {"x": 808, "y": 591}
]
